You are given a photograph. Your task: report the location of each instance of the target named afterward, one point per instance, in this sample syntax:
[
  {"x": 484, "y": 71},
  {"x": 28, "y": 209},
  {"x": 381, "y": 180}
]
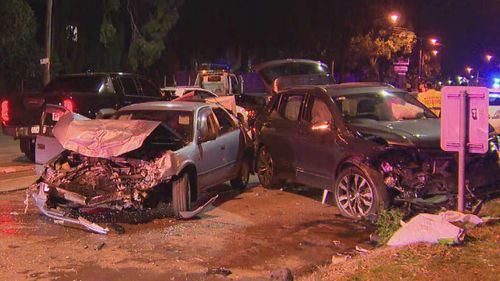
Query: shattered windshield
[
  {"x": 178, "y": 122},
  {"x": 382, "y": 106}
]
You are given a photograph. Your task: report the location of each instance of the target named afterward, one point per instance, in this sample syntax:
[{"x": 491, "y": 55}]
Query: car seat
[{"x": 366, "y": 109}]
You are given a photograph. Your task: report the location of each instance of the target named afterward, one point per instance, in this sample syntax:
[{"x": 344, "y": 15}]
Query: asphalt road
[{"x": 249, "y": 233}]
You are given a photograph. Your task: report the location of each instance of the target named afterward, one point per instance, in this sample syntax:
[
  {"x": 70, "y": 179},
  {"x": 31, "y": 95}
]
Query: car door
[
  {"x": 316, "y": 140},
  {"x": 209, "y": 159},
  {"x": 280, "y": 130},
  {"x": 232, "y": 141}
]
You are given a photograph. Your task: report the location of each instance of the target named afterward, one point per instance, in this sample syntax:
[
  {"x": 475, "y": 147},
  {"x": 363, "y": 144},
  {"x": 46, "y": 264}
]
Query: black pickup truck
[{"x": 95, "y": 95}]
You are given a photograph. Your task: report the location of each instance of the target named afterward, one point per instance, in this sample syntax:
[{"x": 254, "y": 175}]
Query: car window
[
  {"x": 78, "y": 83},
  {"x": 226, "y": 123},
  {"x": 234, "y": 84},
  {"x": 204, "y": 94},
  {"x": 382, "y": 106},
  {"x": 148, "y": 89},
  {"x": 319, "y": 111},
  {"x": 207, "y": 122},
  {"x": 129, "y": 86},
  {"x": 494, "y": 99},
  {"x": 290, "y": 106}
]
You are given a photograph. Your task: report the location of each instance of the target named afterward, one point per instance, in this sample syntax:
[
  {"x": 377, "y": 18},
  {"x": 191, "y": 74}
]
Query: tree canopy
[{"x": 18, "y": 49}]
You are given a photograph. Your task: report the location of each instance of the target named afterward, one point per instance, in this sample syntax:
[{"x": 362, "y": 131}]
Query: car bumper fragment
[{"x": 40, "y": 199}]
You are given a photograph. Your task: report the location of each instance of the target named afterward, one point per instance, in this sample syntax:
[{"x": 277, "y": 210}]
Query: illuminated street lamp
[
  {"x": 435, "y": 52},
  {"x": 394, "y": 18},
  {"x": 434, "y": 41},
  {"x": 488, "y": 58},
  {"x": 468, "y": 69}
]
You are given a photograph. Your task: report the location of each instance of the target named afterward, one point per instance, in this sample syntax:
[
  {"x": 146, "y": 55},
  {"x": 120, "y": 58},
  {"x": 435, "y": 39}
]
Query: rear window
[
  {"x": 294, "y": 68},
  {"x": 92, "y": 83}
]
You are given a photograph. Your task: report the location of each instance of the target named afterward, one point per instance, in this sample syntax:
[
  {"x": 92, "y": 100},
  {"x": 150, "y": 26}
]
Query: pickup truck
[{"x": 94, "y": 95}]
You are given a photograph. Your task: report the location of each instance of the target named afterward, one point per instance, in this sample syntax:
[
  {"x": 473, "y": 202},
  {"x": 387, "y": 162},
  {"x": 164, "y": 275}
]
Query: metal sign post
[{"x": 464, "y": 126}]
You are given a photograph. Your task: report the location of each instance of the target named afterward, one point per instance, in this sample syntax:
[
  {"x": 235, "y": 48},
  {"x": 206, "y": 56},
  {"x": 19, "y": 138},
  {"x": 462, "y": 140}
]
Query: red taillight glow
[
  {"x": 5, "y": 111},
  {"x": 68, "y": 104}
]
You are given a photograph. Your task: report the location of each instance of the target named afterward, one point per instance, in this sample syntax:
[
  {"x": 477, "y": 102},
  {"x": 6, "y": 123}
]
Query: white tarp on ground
[
  {"x": 101, "y": 137},
  {"x": 430, "y": 228}
]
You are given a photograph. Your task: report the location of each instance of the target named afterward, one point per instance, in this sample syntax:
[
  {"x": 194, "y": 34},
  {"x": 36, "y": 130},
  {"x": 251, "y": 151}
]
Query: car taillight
[
  {"x": 5, "y": 111},
  {"x": 251, "y": 113},
  {"x": 68, "y": 104}
]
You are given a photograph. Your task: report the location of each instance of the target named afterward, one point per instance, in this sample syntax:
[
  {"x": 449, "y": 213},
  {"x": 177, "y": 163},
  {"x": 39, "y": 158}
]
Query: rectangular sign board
[{"x": 473, "y": 102}]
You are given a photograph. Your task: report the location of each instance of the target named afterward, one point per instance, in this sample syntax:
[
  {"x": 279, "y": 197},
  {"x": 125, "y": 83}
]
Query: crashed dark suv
[{"x": 373, "y": 145}]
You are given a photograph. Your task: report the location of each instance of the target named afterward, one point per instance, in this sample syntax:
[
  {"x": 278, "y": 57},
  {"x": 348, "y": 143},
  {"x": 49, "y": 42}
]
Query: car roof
[
  {"x": 182, "y": 88},
  {"x": 167, "y": 105},
  {"x": 98, "y": 74},
  {"x": 351, "y": 88}
]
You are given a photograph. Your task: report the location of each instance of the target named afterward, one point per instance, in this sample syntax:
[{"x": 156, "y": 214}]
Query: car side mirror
[{"x": 321, "y": 127}]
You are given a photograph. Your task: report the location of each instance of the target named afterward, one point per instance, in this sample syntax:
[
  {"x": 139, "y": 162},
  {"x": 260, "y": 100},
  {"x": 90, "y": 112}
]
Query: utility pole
[{"x": 48, "y": 43}]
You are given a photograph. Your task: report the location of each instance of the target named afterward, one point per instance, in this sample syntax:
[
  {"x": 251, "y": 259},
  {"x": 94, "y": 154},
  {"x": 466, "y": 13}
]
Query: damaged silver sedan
[{"x": 148, "y": 153}]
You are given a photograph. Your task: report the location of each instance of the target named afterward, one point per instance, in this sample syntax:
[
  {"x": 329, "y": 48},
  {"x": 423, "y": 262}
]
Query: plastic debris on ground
[{"x": 433, "y": 229}]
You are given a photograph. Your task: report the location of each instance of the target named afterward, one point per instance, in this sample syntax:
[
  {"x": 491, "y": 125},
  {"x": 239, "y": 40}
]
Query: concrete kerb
[{"x": 14, "y": 169}]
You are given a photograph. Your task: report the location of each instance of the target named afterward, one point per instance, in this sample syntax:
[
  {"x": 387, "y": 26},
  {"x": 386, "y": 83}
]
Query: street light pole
[
  {"x": 48, "y": 43},
  {"x": 420, "y": 61}
]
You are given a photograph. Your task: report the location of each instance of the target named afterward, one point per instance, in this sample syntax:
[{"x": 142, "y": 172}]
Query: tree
[
  {"x": 18, "y": 49},
  {"x": 149, "y": 23},
  {"x": 375, "y": 46}
]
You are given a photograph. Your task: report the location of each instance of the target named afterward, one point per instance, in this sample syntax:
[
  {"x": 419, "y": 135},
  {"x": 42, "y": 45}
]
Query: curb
[{"x": 14, "y": 169}]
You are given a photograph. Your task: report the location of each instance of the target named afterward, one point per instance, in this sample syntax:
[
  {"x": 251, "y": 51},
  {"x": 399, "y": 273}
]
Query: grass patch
[
  {"x": 387, "y": 223},
  {"x": 477, "y": 259}
]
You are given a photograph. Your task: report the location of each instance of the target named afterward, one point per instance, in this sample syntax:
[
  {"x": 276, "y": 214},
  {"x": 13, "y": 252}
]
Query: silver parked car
[{"x": 147, "y": 153}]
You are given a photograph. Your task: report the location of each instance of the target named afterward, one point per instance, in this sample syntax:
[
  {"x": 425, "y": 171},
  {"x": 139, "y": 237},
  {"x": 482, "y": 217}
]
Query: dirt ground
[{"x": 249, "y": 233}]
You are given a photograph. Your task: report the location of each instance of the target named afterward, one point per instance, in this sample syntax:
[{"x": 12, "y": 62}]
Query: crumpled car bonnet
[{"x": 102, "y": 138}]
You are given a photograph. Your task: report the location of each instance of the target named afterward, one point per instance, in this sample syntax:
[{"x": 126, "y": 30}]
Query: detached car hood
[
  {"x": 101, "y": 138},
  {"x": 421, "y": 133}
]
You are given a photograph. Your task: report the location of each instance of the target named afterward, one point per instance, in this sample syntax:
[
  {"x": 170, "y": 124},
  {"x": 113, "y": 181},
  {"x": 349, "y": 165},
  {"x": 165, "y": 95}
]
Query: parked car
[
  {"x": 89, "y": 94},
  {"x": 147, "y": 153},
  {"x": 373, "y": 145}
]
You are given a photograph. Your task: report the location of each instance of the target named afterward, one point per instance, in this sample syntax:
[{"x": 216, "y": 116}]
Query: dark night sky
[{"x": 467, "y": 28}]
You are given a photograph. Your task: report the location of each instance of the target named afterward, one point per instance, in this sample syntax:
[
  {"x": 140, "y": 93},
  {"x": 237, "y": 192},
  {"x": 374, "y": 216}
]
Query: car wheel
[
  {"x": 356, "y": 194},
  {"x": 241, "y": 180},
  {"x": 266, "y": 170},
  {"x": 181, "y": 194}
]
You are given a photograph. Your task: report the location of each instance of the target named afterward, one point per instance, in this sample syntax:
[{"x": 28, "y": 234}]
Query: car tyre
[
  {"x": 266, "y": 169},
  {"x": 241, "y": 180},
  {"x": 358, "y": 195},
  {"x": 181, "y": 194}
]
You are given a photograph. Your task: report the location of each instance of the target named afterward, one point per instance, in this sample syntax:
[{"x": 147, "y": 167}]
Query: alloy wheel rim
[{"x": 355, "y": 195}]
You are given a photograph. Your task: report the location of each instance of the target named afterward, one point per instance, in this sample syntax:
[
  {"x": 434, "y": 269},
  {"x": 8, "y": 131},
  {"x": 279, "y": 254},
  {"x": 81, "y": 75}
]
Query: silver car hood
[{"x": 101, "y": 137}]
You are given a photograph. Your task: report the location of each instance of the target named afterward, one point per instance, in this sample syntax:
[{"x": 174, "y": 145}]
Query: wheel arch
[{"x": 191, "y": 171}]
